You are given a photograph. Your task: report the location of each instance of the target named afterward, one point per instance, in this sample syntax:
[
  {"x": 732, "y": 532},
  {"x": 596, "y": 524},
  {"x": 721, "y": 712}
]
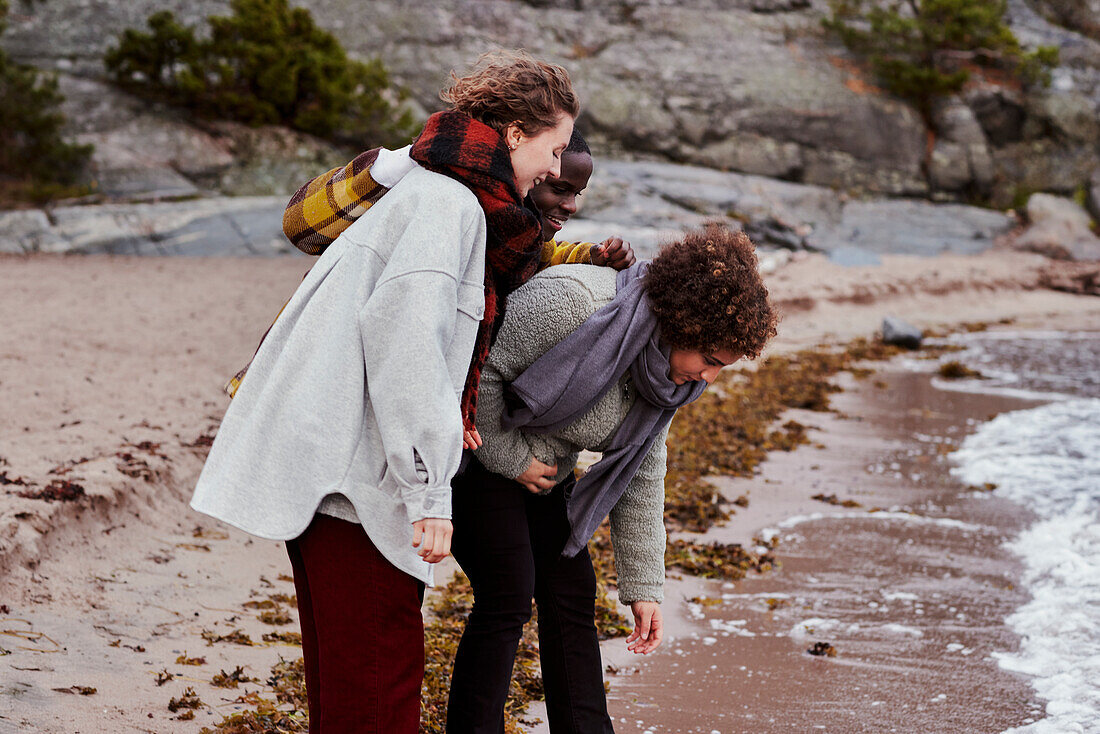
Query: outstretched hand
[
  {"x": 614, "y": 252},
  {"x": 648, "y": 627},
  {"x": 432, "y": 536},
  {"x": 538, "y": 478}
]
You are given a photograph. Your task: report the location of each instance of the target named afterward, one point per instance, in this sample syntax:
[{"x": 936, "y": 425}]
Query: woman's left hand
[
  {"x": 471, "y": 439},
  {"x": 648, "y": 627}
]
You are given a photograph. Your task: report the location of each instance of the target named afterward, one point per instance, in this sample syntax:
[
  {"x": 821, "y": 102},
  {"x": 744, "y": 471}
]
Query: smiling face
[
  {"x": 537, "y": 157},
  {"x": 556, "y": 198},
  {"x": 689, "y": 365}
]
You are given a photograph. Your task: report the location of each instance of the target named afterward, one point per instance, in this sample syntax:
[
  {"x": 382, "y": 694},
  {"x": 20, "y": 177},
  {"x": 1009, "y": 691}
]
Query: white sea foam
[
  {"x": 902, "y": 629},
  {"x": 946, "y": 522},
  {"x": 814, "y": 626},
  {"x": 731, "y": 627},
  {"x": 1048, "y": 458}
]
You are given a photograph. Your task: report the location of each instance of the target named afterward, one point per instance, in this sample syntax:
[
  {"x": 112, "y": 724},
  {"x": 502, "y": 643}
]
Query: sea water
[{"x": 1048, "y": 459}]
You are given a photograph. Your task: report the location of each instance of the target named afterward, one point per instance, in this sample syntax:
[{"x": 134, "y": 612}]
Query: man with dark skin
[{"x": 556, "y": 199}]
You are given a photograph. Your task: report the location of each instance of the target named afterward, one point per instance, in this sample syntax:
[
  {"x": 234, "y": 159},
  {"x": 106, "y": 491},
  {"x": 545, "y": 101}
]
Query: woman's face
[
  {"x": 556, "y": 197},
  {"x": 537, "y": 157},
  {"x": 689, "y": 365}
]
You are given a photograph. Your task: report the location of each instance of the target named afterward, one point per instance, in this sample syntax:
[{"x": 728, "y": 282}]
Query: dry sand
[{"x": 110, "y": 372}]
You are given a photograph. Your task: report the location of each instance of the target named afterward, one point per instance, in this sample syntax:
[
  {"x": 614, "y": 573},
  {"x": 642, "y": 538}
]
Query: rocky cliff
[{"x": 753, "y": 86}]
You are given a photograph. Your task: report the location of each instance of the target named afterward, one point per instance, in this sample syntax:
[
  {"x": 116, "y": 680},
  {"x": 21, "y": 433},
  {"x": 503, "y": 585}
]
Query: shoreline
[
  {"x": 115, "y": 353},
  {"x": 912, "y": 597}
]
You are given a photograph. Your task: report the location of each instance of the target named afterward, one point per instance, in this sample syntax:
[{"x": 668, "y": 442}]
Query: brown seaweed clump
[
  {"x": 955, "y": 370},
  {"x": 231, "y": 680},
  {"x": 287, "y": 638},
  {"x": 237, "y": 637},
  {"x": 729, "y": 561},
  {"x": 729, "y": 430},
  {"x": 831, "y": 499},
  {"x": 59, "y": 490},
  {"x": 189, "y": 700}
]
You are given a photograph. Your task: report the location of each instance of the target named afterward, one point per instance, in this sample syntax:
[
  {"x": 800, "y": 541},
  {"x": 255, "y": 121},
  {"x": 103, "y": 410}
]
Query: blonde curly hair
[{"x": 507, "y": 87}]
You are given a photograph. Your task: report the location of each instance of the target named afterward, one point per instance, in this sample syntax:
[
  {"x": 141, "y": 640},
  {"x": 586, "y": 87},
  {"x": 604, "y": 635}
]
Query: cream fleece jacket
[{"x": 355, "y": 391}]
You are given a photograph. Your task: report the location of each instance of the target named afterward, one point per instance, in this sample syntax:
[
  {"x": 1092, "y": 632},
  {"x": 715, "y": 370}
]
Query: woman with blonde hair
[{"x": 349, "y": 425}]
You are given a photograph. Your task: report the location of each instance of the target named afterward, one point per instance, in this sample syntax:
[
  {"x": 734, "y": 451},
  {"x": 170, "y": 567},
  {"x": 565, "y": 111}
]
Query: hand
[
  {"x": 614, "y": 253},
  {"x": 471, "y": 439},
  {"x": 539, "y": 477},
  {"x": 648, "y": 627},
  {"x": 436, "y": 536}
]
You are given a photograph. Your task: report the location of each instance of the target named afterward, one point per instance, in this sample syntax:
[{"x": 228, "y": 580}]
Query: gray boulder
[
  {"x": 1000, "y": 113},
  {"x": 954, "y": 121},
  {"x": 1058, "y": 228},
  {"x": 1082, "y": 16},
  {"x": 912, "y": 227},
  {"x": 1071, "y": 115},
  {"x": 753, "y": 154},
  {"x": 900, "y": 332},
  {"x": 949, "y": 166},
  {"x": 961, "y": 159},
  {"x": 28, "y": 230},
  {"x": 214, "y": 226},
  {"x": 1040, "y": 165}
]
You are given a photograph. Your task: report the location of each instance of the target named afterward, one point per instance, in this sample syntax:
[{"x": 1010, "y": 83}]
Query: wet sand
[
  {"x": 912, "y": 598},
  {"x": 111, "y": 371}
]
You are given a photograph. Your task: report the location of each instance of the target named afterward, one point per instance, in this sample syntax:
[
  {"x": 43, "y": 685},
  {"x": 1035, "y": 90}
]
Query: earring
[{"x": 512, "y": 147}]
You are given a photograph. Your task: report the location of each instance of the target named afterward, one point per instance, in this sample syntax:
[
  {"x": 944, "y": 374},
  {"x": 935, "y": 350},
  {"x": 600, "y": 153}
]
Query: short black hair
[{"x": 577, "y": 144}]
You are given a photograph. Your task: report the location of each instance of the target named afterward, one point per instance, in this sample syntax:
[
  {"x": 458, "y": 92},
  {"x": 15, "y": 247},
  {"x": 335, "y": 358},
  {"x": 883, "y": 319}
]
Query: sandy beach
[{"x": 110, "y": 386}]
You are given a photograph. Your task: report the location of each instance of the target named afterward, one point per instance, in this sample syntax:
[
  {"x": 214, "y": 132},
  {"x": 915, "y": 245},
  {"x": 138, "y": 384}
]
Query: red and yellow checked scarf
[{"x": 474, "y": 154}]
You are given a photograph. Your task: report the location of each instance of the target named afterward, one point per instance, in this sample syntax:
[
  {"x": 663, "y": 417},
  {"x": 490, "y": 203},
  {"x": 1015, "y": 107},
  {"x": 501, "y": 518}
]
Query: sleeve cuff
[
  {"x": 499, "y": 463},
  {"x": 391, "y": 166},
  {"x": 421, "y": 504},
  {"x": 630, "y": 593}
]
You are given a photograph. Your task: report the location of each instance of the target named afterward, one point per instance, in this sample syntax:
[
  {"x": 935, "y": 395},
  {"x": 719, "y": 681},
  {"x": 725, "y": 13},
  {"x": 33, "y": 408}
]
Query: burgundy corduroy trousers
[{"x": 362, "y": 632}]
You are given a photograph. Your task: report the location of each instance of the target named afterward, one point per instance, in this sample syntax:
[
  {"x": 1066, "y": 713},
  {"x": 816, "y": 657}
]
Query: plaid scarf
[
  {"x": 327, "y": 205},
  {"x": 474, "y": 154}
]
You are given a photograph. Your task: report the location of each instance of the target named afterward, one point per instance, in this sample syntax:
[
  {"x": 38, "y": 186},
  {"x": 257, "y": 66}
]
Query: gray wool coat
[
  {"x": 354, "y": 394},
  {"x": 541, "y": 313}
]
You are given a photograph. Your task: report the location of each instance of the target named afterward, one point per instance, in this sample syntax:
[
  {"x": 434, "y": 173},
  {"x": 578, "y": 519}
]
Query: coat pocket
[
  {"x": 471, "y": 299},
  {"x": 471, "y": 310}
]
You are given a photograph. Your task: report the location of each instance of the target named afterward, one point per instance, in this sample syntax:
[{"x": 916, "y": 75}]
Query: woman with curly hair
[
  {"x": 587, "y": 358},
  {"x": 344, "y": 435}
]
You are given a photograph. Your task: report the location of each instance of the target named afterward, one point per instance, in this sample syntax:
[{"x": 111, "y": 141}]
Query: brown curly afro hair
[{"x": 707, "y": 294}]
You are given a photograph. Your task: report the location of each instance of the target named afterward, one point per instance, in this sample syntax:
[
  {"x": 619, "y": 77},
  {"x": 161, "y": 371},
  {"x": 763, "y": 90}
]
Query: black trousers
[{"x": 509, "y": 542}]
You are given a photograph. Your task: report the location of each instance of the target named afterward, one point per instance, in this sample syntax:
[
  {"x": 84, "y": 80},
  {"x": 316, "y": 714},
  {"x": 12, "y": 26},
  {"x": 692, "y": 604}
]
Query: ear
[{"x": 513, "y": 136}]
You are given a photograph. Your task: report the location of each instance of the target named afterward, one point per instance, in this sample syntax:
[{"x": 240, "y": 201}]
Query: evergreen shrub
[
  {"x": 36, "y": 162},
  {"x": 924, "y": 49},
  {"x": 265, "y": 63}
]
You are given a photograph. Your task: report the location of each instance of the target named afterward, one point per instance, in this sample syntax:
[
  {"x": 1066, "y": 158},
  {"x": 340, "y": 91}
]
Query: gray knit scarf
[{"x": 565, "y": 382}]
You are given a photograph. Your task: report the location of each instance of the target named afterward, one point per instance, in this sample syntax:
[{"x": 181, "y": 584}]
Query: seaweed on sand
[
  {"x": 729, "y": 561},
  {"x": 441, "y": 636},
  {"x": 60, "y": 490},
  {"x": 237, "y": 637},
  {"x": 729, "y": 430},
  {"x": 231, "y": 680},
  {"x": 955, "y": 370},
  {"x": 189, "y": 700}
]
